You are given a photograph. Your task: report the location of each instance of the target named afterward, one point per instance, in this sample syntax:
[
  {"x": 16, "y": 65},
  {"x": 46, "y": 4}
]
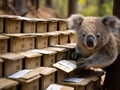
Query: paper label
[
  {"x": 54, "y": 87},
  {"x": 43, "y": 51},
  {"x": 65, "y": 65},
  {"x": 76, "y": 80},
  {"x": 19, "y": 74}
]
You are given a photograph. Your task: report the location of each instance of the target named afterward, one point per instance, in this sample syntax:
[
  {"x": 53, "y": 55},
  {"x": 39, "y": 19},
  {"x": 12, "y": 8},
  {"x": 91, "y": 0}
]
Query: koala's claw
[
  {"x": 76, "y": 56},
  {"x": 83, "y": 63}
]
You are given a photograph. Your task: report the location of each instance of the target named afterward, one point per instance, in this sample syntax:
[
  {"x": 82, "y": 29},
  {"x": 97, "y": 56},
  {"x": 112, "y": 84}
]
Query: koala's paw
[
  {"x": 90, "y": 73},
  {"x": 83, "y": 63},
  {"x": 76, "y": 56}
]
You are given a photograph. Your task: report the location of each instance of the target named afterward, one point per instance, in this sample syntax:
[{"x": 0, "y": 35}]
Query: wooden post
[
  {"x": 72, "y": 7},
  {"x": 112, "y": 79},
  {"x": 116, "y": 8}
]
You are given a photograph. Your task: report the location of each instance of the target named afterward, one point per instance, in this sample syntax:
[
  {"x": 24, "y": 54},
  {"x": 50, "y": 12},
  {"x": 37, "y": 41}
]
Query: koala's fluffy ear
[
  {"x": 112, "y": 23},
  {"x": 74, "y": 21}
]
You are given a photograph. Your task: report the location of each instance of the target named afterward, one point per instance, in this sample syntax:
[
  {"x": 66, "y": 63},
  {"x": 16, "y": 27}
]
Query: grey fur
[{"x": 107, "y": 45}]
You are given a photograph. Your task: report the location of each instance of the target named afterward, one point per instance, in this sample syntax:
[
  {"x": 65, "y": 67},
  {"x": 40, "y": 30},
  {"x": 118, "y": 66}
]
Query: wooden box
[
  {"x": 72, "y": 37},
  {"x": 12, "y": 24},
  {"x": 29, "y": 81},
  {"x": 12, "y": 63},
  {"x": 85, "y": 84},
  {"x": 72, "y": 73},
  {"x": 7, "y": 84},
  {"x": 3, "y": 44},
  {"x": 53, "y": 38},
  {"x": 62, "y": 25},
  {"x": 28, "y": 25},
  {"x": 48, "y": 57},
  {"x": 52, "y": 24},
  {"x": 65, "y": 69},
  {"x": 48, "y": 76},
  {"x": 60, "y": 75},
  {"x": 63, "y": 38},
  {"x": 31, "y": 60},
  {"x": 21, "y": 42},
  {"x": 41, "y": 26},
  {"x": 31, "y": 85},
  {"x": 70, "y": 49},
  {"x": 41, "y": 40},
  {"x": 61, "y": 52}
]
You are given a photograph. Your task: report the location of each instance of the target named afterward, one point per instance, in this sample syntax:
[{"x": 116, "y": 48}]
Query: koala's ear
[
  {"x": 74, "y": 21},
  {"x": 112, "y": 23}
]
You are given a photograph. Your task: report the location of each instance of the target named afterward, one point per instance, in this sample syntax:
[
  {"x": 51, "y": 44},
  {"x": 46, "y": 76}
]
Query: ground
[{"x": 42, "y": 12}]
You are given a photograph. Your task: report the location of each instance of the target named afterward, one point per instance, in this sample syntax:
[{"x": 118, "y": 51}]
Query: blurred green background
[
  {"x": 85, "y": 7},
  {"x": 56, "y": 8}
]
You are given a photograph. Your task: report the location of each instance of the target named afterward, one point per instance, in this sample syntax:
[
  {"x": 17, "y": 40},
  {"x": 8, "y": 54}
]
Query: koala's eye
[
  {"x": 98, "y": 35},
  {"x": 83, "y": 34}
]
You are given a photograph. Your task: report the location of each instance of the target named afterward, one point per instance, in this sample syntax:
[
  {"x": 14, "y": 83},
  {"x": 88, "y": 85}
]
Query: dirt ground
[{"x": 42, "y": 12}]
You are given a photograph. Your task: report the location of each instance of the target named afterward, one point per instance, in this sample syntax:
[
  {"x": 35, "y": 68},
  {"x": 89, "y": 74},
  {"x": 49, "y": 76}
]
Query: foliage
[
  {"x": 85, "y": 7},
  {"x": 107, "y": 8},
  {"x": 94, "y": 8}
]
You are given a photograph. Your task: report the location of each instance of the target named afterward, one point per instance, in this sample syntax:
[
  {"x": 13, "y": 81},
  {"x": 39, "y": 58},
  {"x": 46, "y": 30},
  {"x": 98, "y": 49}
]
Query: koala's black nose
[{"x": 90, "y": 41}]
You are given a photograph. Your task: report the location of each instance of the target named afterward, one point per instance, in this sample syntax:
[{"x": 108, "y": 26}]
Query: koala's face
[{"x": 92, "y": 32}]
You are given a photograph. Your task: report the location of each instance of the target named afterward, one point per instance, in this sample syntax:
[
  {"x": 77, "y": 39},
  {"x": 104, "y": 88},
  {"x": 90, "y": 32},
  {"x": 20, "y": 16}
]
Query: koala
[{"x": 97, "y": 40}]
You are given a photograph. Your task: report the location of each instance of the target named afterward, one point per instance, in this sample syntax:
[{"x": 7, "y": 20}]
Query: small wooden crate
[
  {"x": 12, "y": 24},
  {"x": 48, "y": 76},
  {"x": 12, "y": 63},
  {"x": 29, "y": 81},
  {"x": 70, "y": 49},
  {"x": 52, "y": 24},
  {"x": 53, "y": 38},
  {"x": 3, "y": 44},
  {"x": 7, "y": 84},
  {"x": 48, "y": 57},
  {"x": 62, "y": 25},
  {"x": 72, "y": 38},
  {"x": 41, "y": 40},
  {"x": 61, "y": 52},
  {"x": 31, "y": 60},
  {"x": 21, "y": 42},
  {"x": 28, "y": 25},
  {"x": 63, "y": 38},
  {"x": 41, "y": 26}
]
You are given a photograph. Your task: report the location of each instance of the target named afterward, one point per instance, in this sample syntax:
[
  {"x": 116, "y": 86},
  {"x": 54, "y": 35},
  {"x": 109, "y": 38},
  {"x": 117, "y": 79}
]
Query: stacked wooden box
[{"x": 31, "y": 43}]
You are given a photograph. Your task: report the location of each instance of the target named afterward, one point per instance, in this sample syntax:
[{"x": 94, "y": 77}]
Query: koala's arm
[
  {"x": 77, "y": 54},
  {"x": 101, "y": 59}
]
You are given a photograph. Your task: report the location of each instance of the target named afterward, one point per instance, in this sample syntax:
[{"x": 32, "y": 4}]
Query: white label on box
[
  {"x": 65, "y": 65},
  {"x": 43, "y": 51},
  {"x": 19, "y": 74},
  {"x": 54, "y": 87},
  {"x": 76, "y": 80},
  {"x": 68, "y": 64}
]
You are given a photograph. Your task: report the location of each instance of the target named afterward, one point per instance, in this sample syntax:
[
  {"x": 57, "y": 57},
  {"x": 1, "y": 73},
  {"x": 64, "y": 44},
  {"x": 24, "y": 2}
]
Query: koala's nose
[{"x": 90, "y": 41}]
